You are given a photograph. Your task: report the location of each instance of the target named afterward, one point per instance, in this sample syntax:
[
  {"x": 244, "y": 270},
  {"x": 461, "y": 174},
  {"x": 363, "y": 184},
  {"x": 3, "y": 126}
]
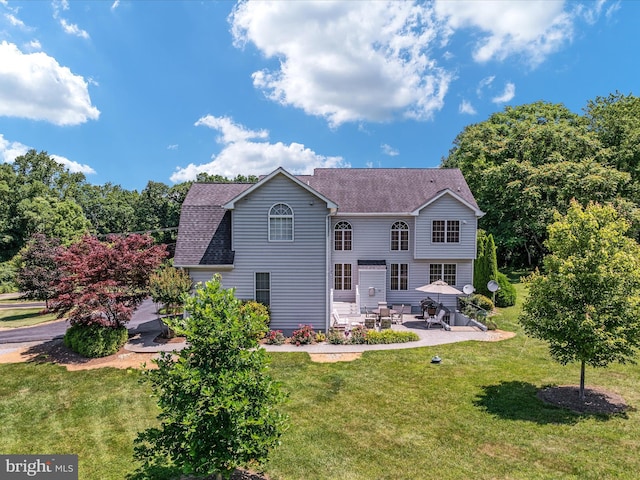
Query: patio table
[{"x": 379, "y": 319}]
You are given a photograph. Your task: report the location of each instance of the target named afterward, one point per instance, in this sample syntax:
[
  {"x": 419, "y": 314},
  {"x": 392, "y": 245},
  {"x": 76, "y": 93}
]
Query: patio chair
[
  {"x": 385, "y": 318},
  {"x": 438, "y": 318},
  {"x": 370, "y": 318},
  {"x": 339, "y": 323},
  {"x": 398, "y": 316}
]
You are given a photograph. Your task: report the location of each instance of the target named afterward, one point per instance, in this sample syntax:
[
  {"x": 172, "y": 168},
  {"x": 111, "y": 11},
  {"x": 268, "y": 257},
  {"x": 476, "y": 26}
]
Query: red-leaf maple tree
[{"x": 103, "y": 282}]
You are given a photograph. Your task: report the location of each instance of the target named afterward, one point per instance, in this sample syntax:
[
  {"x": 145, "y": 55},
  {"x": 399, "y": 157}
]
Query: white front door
[{"x": 373, "y": 287}]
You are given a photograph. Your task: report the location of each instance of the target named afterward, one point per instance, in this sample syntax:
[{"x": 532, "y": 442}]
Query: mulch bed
[{"x": 597, "y": 400}]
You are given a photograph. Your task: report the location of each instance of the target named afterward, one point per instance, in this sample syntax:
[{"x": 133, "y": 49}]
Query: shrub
[
  {"x": 506, "y": 296},
  {"x": 305, "y": 335},
  {"x": 481, "y": 301},
  {"x": 94, "y": 341},
  {"x": 336, "y": 337},
  {"x": 251, "y": 310},
  {"x": 218, "y": 403},
  {"x": 275, "y": 337},
  {"x": 358, "y": 335},
  {"x": 390, "y": 336},
  {"x": 321, "y": 337}
]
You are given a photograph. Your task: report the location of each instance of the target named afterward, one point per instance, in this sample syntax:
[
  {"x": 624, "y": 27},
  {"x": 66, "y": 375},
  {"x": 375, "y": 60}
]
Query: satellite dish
[
  {"x": 493, "y": 286},
  {"x": 468, "y": 289}
]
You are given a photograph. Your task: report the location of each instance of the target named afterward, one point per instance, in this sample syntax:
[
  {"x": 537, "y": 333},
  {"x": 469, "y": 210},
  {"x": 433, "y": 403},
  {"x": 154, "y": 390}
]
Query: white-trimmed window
[
  {"x": 445, "y": 231},
  {"x": 400, "y": 236},
  {"x": 281, "y": 223},
  {"x": 399, "y": 276},
  {"x": 342, "y": 276},
  {"x": 443, "y": 271},
  {"x": 342, "y": 236},
  {"x": 263, "y": 288}
]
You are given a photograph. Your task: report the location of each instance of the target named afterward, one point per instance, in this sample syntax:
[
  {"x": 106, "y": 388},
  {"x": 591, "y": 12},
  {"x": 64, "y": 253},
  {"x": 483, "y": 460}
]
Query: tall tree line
[
  {"x": 529, "y": 161},
  {"x": 40, "y": 196}
]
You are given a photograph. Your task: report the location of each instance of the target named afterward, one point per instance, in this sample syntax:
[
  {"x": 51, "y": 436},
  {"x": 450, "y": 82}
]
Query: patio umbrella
[{"x": 439, "y": 287}]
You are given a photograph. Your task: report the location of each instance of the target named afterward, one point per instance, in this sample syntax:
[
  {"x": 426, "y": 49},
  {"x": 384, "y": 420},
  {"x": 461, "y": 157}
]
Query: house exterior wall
[
  {"x": 297, "y": 269},
  {"x": 371, "y": 240},
  {"x": 446, "y": 208}
]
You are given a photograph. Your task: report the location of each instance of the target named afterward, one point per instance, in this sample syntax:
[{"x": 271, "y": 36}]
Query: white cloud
[
  {"x": 241, "y": 154},
  {"x": 507, "y": 95},
  {"x": 466, "y": 107},
  {"x": 115, "y": 5},
  {"x": 70, "y": 28},
  {"x": 73, "y": 167},
  {"x": 533, "y": 29},
  {"x": 35, "y": 86},
  {"x": 9, "y": 151},
  {"x": 173, "y": 146},
  {"x": 346, "y": 61},
  {"x": 389, "y": 150},
  {"x": 33, "y": 46},
  {"x": 14, "y": 21},
  {"x": 73, "y": 29}
]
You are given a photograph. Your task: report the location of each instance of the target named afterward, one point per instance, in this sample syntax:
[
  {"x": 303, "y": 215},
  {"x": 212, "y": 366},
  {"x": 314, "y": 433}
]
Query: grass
[
  {"x": 389, "y": 415},
  {"x": 24, "y": 317}
]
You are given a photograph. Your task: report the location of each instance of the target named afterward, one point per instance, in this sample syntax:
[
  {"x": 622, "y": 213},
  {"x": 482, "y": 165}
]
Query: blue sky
[{"x": 132, "y": 91}]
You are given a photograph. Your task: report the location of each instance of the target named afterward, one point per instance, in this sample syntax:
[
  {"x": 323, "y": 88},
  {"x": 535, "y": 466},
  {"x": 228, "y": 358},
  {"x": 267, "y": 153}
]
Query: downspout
[{"x": 327, "y": 256}]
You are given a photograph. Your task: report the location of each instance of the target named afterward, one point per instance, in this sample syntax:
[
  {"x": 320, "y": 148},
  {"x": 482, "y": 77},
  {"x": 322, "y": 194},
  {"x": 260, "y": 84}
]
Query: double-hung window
[
  {"x": 281, "y": 223},
  {"x": 342, "y": 236},
  {"x": 443, "y": 271},
  {"x": 399, "y": 276},
  {"x": 445, "y": 231},
  {"x": 342, "y": 276},
  {"x": 400, "y": 236}
]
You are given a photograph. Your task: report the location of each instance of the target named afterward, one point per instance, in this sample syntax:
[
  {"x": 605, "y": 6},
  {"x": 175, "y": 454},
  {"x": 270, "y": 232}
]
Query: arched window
[
  {"x": 281, "y": 223},
  {"x": 342, "y": 236},
  {"x": 400, "y": 236}
]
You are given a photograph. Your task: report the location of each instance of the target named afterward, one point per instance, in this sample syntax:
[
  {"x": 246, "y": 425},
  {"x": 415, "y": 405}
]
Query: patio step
[{"x": 346, "y": 309}]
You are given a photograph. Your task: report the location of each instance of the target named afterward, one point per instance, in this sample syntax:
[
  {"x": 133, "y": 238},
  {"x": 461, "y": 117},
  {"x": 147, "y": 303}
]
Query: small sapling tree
[
  {"x": 586, "y": 303},
  {"x": 217, "y": 400}
]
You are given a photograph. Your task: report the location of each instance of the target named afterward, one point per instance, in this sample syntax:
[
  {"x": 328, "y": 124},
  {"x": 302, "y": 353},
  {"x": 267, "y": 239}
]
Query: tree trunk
[{"x": 581, "y": 396}]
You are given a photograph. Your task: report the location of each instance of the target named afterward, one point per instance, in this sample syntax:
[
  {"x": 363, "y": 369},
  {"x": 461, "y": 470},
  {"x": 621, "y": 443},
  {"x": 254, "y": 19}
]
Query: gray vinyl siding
[
  {"x": 297, "y": 269},
  {"x": 446, "y": 208},
  {"x": 371, "y": 237}
]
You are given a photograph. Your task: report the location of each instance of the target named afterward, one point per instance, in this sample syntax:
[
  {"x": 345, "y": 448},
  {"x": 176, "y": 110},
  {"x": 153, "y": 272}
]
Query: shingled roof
[
  {"x": 204, "y": 236},
  {"x": 387, "y": 190}
]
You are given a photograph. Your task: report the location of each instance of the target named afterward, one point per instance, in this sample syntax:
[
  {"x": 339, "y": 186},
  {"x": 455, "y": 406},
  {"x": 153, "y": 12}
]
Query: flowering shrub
[
  {"x": 303, "y": 336},
  {"x": 321, "y": 337},
  {"x": 275, "y": 337},
  {"x": 336, "y": 337},
  {"x": 358, "y": 335}
]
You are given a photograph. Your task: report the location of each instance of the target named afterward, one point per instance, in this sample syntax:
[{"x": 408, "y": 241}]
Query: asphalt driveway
[{"x": 143, "y": 318}]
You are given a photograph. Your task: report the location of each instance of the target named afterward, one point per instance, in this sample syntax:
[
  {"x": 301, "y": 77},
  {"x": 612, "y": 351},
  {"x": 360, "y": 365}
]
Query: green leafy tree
[
  {"x": 168, "y": 285},
  {"x": 38, "y": 271},
  {"x": 527, "y": 162},
  {"x": 217, "y": 400},
  {"x": 586, "y": 304}
]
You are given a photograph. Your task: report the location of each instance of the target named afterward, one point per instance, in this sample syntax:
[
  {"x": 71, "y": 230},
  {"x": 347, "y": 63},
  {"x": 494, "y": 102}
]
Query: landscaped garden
[{"x": 390, "y": 414}]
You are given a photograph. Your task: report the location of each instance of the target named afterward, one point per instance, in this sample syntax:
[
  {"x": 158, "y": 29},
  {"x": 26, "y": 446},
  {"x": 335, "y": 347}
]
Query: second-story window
[
  {"x": 445, "y": 231},
  {"x": 400, "y": 236},
  {"x": 281, "y": 223},
  {"x": 342, "y": 236}
]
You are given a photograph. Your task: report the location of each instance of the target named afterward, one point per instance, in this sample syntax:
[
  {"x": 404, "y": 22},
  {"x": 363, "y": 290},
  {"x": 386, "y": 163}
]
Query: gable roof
[{"x": 280, "y": 171}]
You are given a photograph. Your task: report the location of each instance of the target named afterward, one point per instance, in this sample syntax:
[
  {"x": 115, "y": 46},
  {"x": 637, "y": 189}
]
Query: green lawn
[
  {"x": 389, "y": 415},
  {"x": 24, "y": 317}
]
